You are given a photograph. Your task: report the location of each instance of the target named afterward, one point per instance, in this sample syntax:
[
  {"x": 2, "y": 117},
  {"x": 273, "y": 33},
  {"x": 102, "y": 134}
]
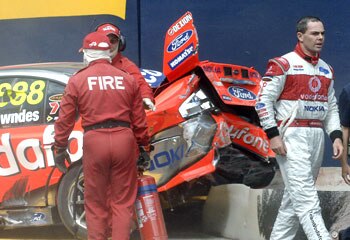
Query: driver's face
[{"x": 313, "y": 39}]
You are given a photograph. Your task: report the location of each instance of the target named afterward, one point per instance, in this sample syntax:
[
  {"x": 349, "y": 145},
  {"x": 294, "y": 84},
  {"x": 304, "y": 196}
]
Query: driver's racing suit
[{"x": 296, "y": 101}]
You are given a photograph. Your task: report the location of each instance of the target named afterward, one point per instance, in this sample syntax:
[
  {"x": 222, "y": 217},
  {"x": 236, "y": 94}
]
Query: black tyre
[{"x": 70, "y": 202}]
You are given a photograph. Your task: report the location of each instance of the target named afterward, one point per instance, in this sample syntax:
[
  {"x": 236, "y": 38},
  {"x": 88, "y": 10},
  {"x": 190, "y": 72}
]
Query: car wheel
[{"x": 70, "y": 202}]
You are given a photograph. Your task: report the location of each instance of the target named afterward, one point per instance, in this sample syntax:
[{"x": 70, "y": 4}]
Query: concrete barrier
[{"x": 237, "y": 212}]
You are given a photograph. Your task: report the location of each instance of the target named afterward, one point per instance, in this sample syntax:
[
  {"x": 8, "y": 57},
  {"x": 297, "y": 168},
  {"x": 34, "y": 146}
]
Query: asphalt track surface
[{"x": 184, "y": 223}]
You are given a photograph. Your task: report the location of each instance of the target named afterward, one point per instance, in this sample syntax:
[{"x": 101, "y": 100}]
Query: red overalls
[
  {"x": 123, "y": 63},
  {"x": 101, "y": 93}
]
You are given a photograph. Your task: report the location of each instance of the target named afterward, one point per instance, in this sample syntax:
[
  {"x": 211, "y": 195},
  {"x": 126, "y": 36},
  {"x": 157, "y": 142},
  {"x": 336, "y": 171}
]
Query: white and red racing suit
[{"x": 297, "y": 101}]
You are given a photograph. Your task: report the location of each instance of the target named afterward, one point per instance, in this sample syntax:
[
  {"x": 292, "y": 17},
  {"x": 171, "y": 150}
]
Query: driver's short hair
[{"x": 302, "y": 23}]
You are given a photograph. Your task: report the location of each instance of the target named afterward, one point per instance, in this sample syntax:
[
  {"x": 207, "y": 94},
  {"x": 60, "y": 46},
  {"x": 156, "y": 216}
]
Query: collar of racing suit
[{"x": 313, "y": 60}]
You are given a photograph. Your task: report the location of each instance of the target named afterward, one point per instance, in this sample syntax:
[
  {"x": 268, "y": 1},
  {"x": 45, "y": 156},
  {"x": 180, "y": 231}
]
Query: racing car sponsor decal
[
  {"x": 53, "y": 115},
  {"x": 218, "y": 83},
  {"x": 23, "y": 117},
  {"x": 246, "y": 135},
  {"x": 22, "y": 92},
  {"x": 56, "y": 97},
  {"x": 37, "y": 217},
  {"x": 166, "y": 158},
  {"x": 249, "y": 138},
  {"x": 179, "y": 41},
  {"x": 181, "y": 57},
  {"x": 254, "y": 74},
  {"x": 44, "y": 8},
  {"x": 16, "y": 157},
  {"x": 208, "y": 68},
  {"x": 152, "y": 77},
  {"x": 242, "y": 93},
  {"x": 180, "y": 24},
  {"x": 226, "y": 98},
  {"x": 54, "y": 107}
]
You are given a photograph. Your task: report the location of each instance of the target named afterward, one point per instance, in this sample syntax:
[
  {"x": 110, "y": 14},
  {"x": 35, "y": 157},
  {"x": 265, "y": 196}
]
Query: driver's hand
[{"x": 277, "y": 145}]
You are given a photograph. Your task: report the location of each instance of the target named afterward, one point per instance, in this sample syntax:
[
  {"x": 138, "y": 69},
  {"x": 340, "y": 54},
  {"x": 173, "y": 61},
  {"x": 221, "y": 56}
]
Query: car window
[
  {"x": 54, "y": 95},
  {"x": 21, "y": 101}
]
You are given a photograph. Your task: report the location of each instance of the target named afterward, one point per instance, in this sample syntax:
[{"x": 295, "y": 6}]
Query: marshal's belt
[{"x": 107, "y": 124}]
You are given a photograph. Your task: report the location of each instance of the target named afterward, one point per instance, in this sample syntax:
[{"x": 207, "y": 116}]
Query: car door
[{"x": 28, "y": 109}]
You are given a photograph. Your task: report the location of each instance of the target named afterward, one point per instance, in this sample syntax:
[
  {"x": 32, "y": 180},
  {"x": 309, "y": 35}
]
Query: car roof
[{"x": 60, "y": 71}]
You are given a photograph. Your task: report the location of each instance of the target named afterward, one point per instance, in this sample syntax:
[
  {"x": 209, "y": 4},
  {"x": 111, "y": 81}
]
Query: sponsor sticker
[
  {"x": 263, "y": 114},
  {"x": 56, "y": 97},
  {"x": 298, "y": 68},
  {"x": 263, "y": 119},
  {"x": 259, "y": 106},
  {"x": 315, "y": 84},
  {"x": 38, "y": 217},
  {"x": 180, "y": 24},
  {"x": 179, "y": 41},
  {"x": 211, "y": 69},
  {"x": 22, "y": 92},
  {"x": 242, "y": 93},
  {"x": 314, "y": 97},
  {"x": 167, "y": 158},
  {"x": 325, "y": 71},
  {"x": 186, "y": 53},
  {"x": 16, "y": 158},
  {"x": 248, "y": 137},
  {"x": 23, "y": 116},
  {"x": 153, "y": 78},
  {"x": 226, "y": 98},
  {"x": 314, "y": 108}
]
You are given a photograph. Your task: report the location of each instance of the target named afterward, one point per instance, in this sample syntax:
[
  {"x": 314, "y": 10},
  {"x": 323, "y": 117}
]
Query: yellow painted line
[{"x": 14, "y": 9}]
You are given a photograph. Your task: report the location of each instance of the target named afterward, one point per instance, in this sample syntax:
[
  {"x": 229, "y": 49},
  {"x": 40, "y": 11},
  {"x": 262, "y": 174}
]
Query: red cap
[
  {"x": 108, "y": 28},
  {"x": 97, "y": 41}
]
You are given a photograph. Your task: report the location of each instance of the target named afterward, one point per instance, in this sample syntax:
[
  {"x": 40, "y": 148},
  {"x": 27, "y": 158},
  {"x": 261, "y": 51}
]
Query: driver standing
[{"x": 296, "y": 101}]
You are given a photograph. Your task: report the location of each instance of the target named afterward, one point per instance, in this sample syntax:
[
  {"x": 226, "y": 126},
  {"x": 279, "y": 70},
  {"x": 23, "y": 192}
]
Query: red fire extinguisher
[{"x": 149, "y": 211}]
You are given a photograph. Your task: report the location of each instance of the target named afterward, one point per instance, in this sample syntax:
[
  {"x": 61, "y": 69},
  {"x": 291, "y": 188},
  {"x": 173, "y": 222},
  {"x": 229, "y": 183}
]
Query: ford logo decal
[
  {"x": 179, "y": 41},
  {"x": 241, "y": 93},
  {"x": 259, "y": 106}
]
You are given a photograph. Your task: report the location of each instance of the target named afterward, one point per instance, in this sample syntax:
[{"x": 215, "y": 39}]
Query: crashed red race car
[{"x": 205, "y": 132}]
